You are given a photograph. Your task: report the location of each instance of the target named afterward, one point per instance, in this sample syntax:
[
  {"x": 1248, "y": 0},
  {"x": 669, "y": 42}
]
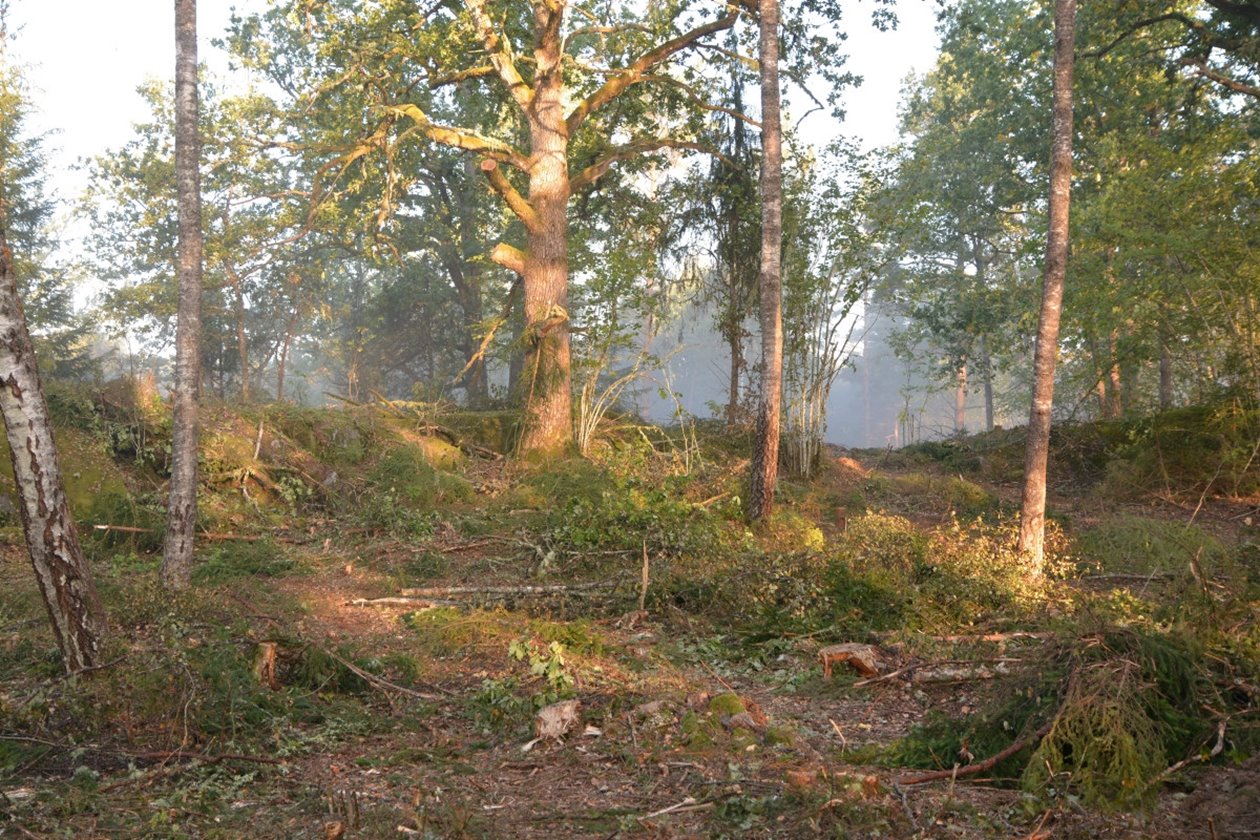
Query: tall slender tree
[
  {"x": 181, "y": 521},
  {"x": 65, "y": 583},
  {"x": 765, "y": 460},
  {"x": 1032, "y": 523}
]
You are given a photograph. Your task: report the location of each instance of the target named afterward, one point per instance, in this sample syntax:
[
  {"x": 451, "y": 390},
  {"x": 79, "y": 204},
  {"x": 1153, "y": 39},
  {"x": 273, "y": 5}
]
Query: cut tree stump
[
  {"x": 265, "y": 665},
  {"x": 867, "y": 660}
]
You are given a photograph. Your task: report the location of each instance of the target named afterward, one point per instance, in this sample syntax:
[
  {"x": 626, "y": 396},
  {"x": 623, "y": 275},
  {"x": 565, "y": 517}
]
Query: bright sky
[{"x": 86, "y": 58}]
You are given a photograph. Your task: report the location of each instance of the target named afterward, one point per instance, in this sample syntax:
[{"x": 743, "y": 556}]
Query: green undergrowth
[
  {"x": 885, "y": 573},
  {"x": 179, "y": 674},
  {"x": 1116, "y": 705},
  {"x": 1205, "y": 449}
]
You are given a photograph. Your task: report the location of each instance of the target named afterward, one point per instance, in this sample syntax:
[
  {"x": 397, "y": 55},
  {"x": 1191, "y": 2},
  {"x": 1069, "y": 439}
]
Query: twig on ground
[
  {"x": 1216, "y": 750},
  {"x": 381, "y": 682}
]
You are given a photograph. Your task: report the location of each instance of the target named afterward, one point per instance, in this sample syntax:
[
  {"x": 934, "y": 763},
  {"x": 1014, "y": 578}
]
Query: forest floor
[{"x": 703, "y": 710}]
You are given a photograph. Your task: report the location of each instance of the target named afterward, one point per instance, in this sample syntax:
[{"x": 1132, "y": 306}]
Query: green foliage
[
  {"x": 406, "y": 472},
  {"x": 501, "y": 705},
  {"x": 1137, "y": 545},
  {"x": 549, "y": 664},
  {"x": 627, "y": 513},
  {"x": 1206, "y": 449},
  {"x": 241, "y": 558}
]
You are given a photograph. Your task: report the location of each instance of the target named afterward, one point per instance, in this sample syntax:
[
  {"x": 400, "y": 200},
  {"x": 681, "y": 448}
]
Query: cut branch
[
  {"x": 518, "y": 204},
  {"x": 510, "y": 257}
]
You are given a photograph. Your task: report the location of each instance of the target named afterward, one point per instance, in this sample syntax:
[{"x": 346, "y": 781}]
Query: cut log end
[{"x": 867, "y": 660}]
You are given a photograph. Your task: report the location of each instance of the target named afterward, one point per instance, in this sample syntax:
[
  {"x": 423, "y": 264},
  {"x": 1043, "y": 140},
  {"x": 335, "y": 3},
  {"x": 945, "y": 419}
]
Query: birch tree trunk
[
  {"x": 74, "y": 609},
  {"x": 177, "y": 558},
  {"x": 765, "y": 460},
  {"x": 1032, "y": 523}
]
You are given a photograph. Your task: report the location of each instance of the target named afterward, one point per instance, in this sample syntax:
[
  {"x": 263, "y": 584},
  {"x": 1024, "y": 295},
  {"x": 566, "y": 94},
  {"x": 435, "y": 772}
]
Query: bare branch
[
  {"x": 1200, "y": 66},
  {"x": 700, "y": 103},
  {"x": 500, "y": 54},
  {"x": 1188, "y": 22},
  {"x": 462, "y": 75},
  {"x": 636, "y": 72},
  {"x": 460, "y": 138},
  {"x": 505, "y": 251}
]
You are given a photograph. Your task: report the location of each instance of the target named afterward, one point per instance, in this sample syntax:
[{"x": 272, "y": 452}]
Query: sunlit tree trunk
[
  {"x": 765, "y": 460},
  {"x": 78, "y": 622},
  {"x": 548, "y": 413},
  {"x": 1032, "y": 524},
  {"x": 177, "y": 559}
]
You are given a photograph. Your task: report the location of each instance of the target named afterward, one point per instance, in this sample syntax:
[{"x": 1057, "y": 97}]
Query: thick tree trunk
[
  {"x": 765, "y": 460},
  {"x": 74, "y": 609},
  {"x": 177, "y": 559},
  {"x": 1032, "y": 524},
  {"x": 547, "y": 426},
  {"x": 476, "y": 381}
]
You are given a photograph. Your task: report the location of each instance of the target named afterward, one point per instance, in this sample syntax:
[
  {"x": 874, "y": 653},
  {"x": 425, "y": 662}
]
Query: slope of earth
[{"x": 385, "y": 607}]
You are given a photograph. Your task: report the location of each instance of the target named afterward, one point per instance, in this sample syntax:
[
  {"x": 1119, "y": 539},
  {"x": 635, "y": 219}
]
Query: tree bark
[
  {"x": 1032, "y": 524},
  {"x": 735, "y": 340},
  {"x": 177, "y": 558},
  {"x": 765, "y": 460},
  {"x": 547, "y": 424},
  {"x": 1114, "y": 386},
  {"x": 78, "y": 622}
]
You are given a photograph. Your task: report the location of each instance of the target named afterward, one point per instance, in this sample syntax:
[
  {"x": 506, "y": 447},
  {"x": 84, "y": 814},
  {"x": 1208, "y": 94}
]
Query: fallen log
[
  {"x": 419, "y": 603},
  {"x": 951, "y": 672},
  {"x": 525, "y": 589},
  {"x": 213, "y": 536},
  {"x": 965, "y": 638}
]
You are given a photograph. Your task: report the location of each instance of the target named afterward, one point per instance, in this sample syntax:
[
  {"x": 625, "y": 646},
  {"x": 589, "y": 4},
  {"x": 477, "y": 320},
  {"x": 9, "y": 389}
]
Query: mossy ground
[{"x": 704, "y": 715}]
